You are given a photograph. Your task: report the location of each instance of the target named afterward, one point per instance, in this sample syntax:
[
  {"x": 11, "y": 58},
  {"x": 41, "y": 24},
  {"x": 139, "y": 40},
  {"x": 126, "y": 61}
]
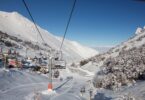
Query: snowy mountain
[
  {"x": 123, "y": 64},
  {"x": 17, "y": 25}
]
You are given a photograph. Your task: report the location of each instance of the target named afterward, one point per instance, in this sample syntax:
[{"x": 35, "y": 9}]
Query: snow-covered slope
[
  {"x": 123, "y": 64},
  {"x": 17, "y": 25},
  {"x": 103, "y": 49},
  {"x": 137, "y": 41}
]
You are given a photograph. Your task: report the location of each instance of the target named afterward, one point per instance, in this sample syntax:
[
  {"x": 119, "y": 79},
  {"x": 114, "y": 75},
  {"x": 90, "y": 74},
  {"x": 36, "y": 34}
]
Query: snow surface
[
  {"x": 91, "y": 67},
  {"x": 136, "y": 91},
  {"x": 17, "y": 25},
  {"x": 26, "y": 85},
  {"x": 48, "y": 92},
  {"x": 103, "y": 49}
]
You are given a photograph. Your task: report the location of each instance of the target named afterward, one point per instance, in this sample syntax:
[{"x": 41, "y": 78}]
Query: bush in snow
[
  {"x": 8, "y": 43},
  {"x": 83, "y": 62}
]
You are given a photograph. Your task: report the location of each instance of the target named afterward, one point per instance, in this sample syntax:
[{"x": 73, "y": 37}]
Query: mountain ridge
[
  {"x": 19, "y": 26},
  {"x": 123, "y": 64}
]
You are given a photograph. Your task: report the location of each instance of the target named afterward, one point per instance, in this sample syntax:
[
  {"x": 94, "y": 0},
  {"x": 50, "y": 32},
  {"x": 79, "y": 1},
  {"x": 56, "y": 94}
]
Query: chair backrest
[{"x": 59, "y": 63}]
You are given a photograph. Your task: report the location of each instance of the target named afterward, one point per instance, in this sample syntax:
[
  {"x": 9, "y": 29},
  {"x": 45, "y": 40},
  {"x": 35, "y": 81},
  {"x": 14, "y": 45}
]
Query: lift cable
[
  {"x": 37, "y": 29},
  {"x": 68, "y": 22},
  {"x": 67, "y": 25}
]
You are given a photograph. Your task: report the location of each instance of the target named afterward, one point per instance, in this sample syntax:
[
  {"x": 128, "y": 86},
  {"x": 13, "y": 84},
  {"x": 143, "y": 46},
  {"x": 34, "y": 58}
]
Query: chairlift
[
  {"x": 58, "y": 61},
  {"x": 60, "y": 64}
]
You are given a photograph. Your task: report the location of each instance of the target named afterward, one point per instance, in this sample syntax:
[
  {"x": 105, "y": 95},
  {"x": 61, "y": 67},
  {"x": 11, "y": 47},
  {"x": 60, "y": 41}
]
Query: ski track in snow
[
  {"x": 66, "y": 95},
  {"x": 57, "y": 96}
]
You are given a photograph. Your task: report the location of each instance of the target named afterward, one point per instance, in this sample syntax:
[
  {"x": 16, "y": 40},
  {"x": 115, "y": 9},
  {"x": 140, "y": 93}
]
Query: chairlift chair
[
  {"x": 58, "y": 61},
  {"x": 60, "y": 64}
]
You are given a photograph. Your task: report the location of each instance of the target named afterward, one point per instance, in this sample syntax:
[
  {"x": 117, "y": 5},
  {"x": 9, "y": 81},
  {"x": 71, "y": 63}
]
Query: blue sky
[{"x": 94, "y": 22}]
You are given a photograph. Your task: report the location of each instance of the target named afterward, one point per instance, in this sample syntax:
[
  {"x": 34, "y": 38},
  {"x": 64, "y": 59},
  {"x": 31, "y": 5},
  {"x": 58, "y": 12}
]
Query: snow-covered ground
[
  {"x": 137, "y": 92},
  {"x": 103, "y": 49},
  {"x": 16, "y": 84},
  {"x": 26, "y": 85}
]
